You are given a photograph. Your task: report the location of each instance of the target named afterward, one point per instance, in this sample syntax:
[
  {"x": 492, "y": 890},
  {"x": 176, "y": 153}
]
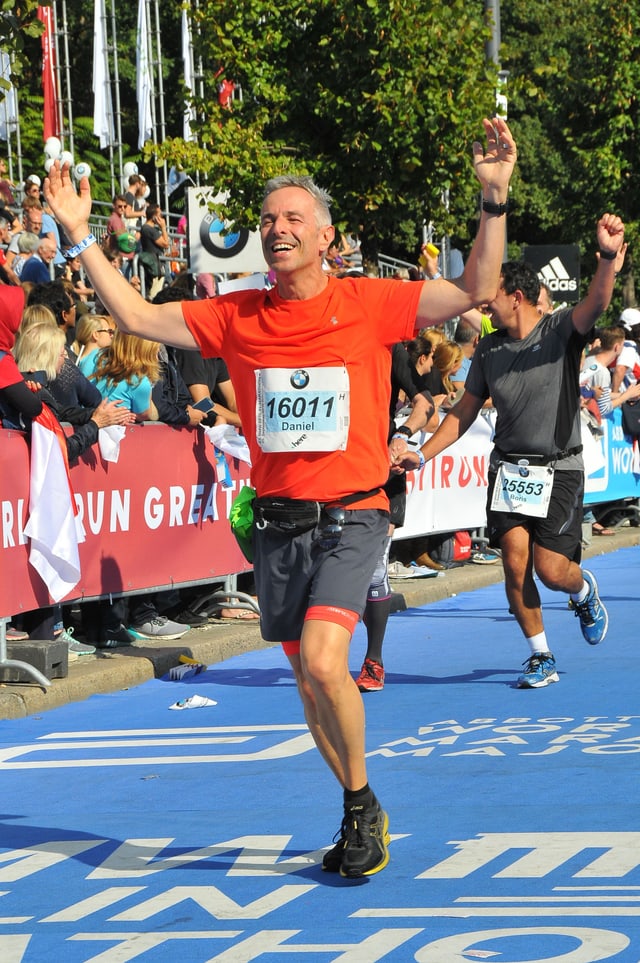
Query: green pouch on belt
[{"x": 241, "y": 520}]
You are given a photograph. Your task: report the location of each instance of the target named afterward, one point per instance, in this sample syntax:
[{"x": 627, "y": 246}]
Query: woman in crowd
[
  {"x": 40, "y": 351},
  {"x": 37, "y": 357},
  {"x": 70, "y": 387},
  {"x": 447, "y": 358},
  {"x": 421, "y": 358},
  {"x": 71, "y": 272},
  {"x": 126, "y": 372},
  {"x": 28, "y": 244},
  {"x": 93, "y": 333}
]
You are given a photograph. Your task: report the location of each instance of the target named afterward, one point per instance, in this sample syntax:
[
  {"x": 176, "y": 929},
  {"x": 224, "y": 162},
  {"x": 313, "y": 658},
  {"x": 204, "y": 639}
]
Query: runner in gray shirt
[{"x": 530, "y": 368}]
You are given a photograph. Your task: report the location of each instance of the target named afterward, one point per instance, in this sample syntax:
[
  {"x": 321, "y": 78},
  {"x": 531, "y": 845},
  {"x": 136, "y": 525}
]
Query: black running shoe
[
  {"x": 115, "y": 639},
  {"x": 332, "y": 859},
  {"x": 366, "y": 837}
]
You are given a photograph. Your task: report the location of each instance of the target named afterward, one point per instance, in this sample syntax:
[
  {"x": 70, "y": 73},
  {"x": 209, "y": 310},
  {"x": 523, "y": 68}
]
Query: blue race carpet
[{"x": 132, "y": 832}]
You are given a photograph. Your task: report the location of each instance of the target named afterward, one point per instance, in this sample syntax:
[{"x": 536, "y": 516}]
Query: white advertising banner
[{"x": 450, "y": 492}]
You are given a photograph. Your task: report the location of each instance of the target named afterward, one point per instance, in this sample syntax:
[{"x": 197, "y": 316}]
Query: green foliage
[
  {"x": 19, "y": 21},
  {"x": 379, "y": 101},
  {"x": 573, "y": 104}
]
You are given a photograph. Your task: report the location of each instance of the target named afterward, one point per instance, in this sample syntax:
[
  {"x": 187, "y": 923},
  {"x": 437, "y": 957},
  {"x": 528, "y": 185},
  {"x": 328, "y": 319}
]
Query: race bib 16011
[{"x": 302, "y": 409}]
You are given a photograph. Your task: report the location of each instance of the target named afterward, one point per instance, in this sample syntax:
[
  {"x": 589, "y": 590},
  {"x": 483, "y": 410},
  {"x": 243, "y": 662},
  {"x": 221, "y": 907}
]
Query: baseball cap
[
  {"x": 126, "y": 242},
  {"x": 629, "y": 318}
]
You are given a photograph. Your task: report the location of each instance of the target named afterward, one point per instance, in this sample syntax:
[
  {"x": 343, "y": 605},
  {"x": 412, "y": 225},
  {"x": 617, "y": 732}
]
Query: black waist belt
[
  {"x": 294, "y": 515},
  {"x": 535, "y": 460}
]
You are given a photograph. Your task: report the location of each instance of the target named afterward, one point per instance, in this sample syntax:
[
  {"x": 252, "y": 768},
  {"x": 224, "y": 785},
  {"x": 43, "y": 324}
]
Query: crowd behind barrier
[
  {"x": 155, "y": 519},
  {"x": 158, "y": 517}
]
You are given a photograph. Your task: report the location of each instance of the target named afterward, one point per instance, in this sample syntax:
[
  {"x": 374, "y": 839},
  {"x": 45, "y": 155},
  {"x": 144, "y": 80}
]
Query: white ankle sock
[
  {"x": 582, "y": 594},
  {"x": 538, "y": 643}
]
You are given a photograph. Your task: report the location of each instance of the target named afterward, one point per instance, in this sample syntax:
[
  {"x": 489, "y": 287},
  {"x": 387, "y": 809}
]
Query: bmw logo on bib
[{"x": 299, "y": 379}]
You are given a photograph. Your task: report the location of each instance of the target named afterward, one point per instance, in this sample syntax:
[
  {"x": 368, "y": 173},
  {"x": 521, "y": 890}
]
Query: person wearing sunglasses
[{"x": 93, "y": 332}]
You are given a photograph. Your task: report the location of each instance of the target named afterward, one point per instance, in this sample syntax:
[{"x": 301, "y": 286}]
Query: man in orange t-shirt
[{"x": 310, "y": 360}]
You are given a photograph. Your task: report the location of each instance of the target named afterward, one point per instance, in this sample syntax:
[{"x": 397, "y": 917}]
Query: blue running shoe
[
  {"x": 539, "y": 670},
  {"x": 594, "y": 620}
]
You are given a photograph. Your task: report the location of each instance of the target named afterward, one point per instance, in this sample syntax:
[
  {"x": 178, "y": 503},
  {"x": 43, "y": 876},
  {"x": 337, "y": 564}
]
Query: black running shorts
[
  {"x": 560, "y": 531},
  {"x": 293, "y": 573}
]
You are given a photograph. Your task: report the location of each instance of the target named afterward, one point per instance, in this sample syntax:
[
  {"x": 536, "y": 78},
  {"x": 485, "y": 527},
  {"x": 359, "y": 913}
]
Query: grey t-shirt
[{"x": 533, "y": 383}]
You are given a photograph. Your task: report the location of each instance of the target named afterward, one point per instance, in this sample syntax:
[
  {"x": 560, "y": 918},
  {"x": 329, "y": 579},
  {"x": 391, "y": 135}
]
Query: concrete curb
[{"x": 125, "y": 668}]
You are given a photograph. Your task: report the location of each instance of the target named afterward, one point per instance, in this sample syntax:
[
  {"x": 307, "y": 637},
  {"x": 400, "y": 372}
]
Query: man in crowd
[
  {"x": 135, "y": 201},
  {"x": 6, "y": 273},
  {"x": 31, "y": 221},
  {"x": 312, "y": 357},
  {"x": 154, "y": 242},
  {"x": 530, "y": 367},
  {"x": 37, "y": 267}
]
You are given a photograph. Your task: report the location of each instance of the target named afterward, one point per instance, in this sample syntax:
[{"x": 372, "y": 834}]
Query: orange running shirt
[{"x": 353, "y": 323}]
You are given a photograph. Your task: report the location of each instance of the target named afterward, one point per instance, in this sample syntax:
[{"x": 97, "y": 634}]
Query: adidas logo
[{"x": 557, "y": 277}]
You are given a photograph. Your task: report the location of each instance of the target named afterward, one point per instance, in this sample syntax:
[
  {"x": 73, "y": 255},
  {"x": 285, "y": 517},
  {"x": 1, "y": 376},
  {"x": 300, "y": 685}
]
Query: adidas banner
[{"x": 558, "y": 266}]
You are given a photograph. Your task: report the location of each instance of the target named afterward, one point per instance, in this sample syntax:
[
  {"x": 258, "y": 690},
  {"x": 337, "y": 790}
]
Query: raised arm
[
  {"x": 610, "y": 236},
  {"x": 441, "y": 299},
  {"x": 130, "y": 311}
]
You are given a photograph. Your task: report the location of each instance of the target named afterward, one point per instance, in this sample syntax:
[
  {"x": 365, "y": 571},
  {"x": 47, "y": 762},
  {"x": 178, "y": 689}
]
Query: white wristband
[
  {"x": 82, "y": 246},
  {"x": 421, "y": 459}
]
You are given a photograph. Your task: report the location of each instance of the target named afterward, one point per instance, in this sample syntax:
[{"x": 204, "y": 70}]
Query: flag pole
[
  {"x": 20, "y": 180},
  {"x": 163, "y": 131},
  {"x": 118, "y": 111},
  {"x": 199, "y": 77},
  {"x": 64, "y": 34},
  {"x": 10, "y": 116}
]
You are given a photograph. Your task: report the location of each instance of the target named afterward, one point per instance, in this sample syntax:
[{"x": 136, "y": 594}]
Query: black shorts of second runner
[
  {"x": 292, "y": 573},
  {"x": 560, "y": 531},
  {"x": 396, "y": 489}
]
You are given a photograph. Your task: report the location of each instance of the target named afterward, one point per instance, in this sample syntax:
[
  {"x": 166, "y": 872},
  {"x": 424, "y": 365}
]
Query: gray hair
[
  {"x": 28, "y": 242},
  {"x": 322, "y": 198},
  {"x": 465, "y": 333}
]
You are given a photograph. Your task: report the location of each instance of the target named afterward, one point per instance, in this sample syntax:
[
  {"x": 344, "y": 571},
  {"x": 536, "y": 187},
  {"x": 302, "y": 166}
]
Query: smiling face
[
  {"x": 501, "y": 308},
  {"x": 291, "y": 233}
]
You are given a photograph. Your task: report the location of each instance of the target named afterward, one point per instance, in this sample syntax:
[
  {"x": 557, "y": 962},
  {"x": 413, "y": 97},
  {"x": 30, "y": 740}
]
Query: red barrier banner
[{"x": 156, "y": 518}]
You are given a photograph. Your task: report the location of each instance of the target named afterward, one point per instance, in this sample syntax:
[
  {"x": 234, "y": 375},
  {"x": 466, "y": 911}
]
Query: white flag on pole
[
  {"x": 102, "y": 105},
  {"x": 187, "y": 56},
  {"x": 143, "y": 77},
  {"x": 52, "y": 525},
  {"x": 9, "y": 104}
]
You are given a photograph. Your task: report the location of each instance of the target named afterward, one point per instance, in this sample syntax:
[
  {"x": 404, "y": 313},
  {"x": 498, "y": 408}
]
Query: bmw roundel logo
[
  {"x": 217, "y": 243},
  {"x": 299, "y": 379}
]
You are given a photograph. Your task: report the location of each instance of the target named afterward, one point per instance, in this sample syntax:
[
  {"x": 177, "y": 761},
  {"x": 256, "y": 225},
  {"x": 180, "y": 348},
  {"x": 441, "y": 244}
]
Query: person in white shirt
[
  {"x": 627, "y": 366},
  {"x": 595, "y": 375}
]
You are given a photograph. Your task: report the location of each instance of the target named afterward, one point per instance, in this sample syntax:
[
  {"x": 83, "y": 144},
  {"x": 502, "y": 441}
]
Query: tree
[
  {"x": 573, "y": 103},
  {"x": 19, "y": 21},
  {"x": 380, "y": 101}
]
